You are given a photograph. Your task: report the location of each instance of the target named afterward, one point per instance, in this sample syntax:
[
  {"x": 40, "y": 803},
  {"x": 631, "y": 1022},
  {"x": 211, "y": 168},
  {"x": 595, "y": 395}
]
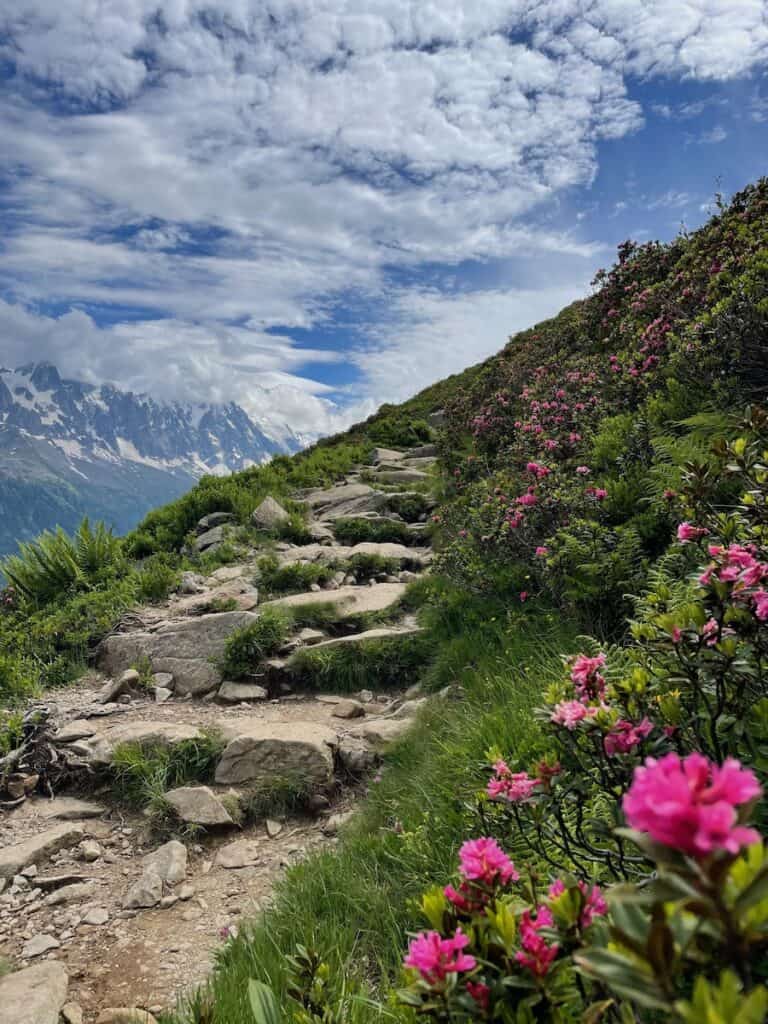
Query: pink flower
[
  {"x": 527, "y": 499},
  {"x": 586, "y": 677},
  {"x": 435, "y": 958},
  {"x": 541, "y": 551},
  {"x": 570, "y": 712},
  {"x": 524, "y": 595},
  {"x": 536, "y": 955},
  {"x": 480, "y": 993},
  {"x": 760, "y": 597},
  {"x": 598, "y": 493},
  {"x": 709, "y": 632},
  {"x": 686, "y": 532},
  {"x": 624, "y": 736},
  {"x": 690, "y": 804},
  {"x": 538, "y": 470},
  {"x": 676, "y": 635},
  {"x": 583, "y": 470},
  {"x": 594, "y": 901},
  {"x": 512, "y": 786},
  {"x": 483, "y": 860}
]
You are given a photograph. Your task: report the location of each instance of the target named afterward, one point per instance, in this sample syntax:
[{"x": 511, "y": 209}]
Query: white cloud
[{"x": 227, "y": 166}]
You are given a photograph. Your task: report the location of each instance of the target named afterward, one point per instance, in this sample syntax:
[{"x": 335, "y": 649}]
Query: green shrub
[
  {"x": 56, "y": 564},
  {"x": 316, "y": 614},
  {"x": 251, "y": 644},
  {"x": 377, "y": 531},
  {"x": 295, "y": 530},
  {"x": 143, "y": 773},
  {"x": 378, "y": 664},
  {"x": 157, "y": 578},
  {"x": 19, "y": 678},
  {"x": 293, "y": 577},
  {"x": 409, "y": 504},
  {"x": 366, "y": 567}
]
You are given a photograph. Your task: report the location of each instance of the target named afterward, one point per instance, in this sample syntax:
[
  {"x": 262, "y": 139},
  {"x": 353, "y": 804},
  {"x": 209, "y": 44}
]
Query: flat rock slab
[
  {"x": 100, "y": 749},
  {"x": 265, "y": 752},
  {"x": 336, "y": 495},
  {"x": 198, "y": 805},
  {"x": 36, "y": 849},
  {"x": 69, "y": 808},
  {"x": 243, "y": 853},
  {"x": 384, "y": 731},
  {"x": 423, "y": 451},
  {"x": 348, "y": 600},
  {"x": 400, "y": 476},
  {"x": 234, "y": 693},
  {"x": 385, "y": 455},
  {"x": 187, "y": 648},
  {"x": 34, "y": 995},
  {"x": 79, "y": 729},
  {"x": 380, "y": 633}
]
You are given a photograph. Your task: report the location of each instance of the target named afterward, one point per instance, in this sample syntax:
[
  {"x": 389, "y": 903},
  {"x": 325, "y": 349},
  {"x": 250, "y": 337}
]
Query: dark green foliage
[
  {"x": 157, "y": 577},
  {"x": 142, "y": 774},
  {"x": 293, "y": 577},
  {"x": 378, "y": 664},
  {"x": 411, "y": 505},
  {"x": 378, "y": 531},
  {"x": 246, "y": 647}
]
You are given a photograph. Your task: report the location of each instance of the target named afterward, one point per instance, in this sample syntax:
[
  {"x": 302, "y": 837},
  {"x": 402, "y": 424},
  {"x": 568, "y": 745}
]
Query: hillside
[
  {"x": 582, "y": 584},
  {"x": 70, "y": 449}
]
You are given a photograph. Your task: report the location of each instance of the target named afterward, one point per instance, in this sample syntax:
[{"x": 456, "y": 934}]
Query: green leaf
[{"x": 264, "y": 1005}]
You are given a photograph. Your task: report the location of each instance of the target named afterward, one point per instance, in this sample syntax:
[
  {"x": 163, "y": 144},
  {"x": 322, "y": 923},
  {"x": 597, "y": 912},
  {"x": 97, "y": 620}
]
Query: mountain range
[{"x": 69, "y": 449}]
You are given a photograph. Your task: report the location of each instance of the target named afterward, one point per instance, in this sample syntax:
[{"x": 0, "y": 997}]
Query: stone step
[
  {"x": 99, "y": 750},
  {"x": 264, "y": 752},
  {"x": 379, "y": 633},
  {"x": 402, "y": 476},
  {"x": 385, "y": 455},
  {"x": 423, "y": 451},
  {"x": 403, "y": 555},
  {"x": 348, "y": 601}
]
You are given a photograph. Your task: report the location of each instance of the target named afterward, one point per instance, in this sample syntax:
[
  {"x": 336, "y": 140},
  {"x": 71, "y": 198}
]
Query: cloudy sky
[{"x": 313, "y": 206}]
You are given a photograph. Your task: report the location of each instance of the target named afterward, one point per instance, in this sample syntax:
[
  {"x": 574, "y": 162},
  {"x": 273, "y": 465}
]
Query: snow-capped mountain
[{"x": 69, "y": 449}]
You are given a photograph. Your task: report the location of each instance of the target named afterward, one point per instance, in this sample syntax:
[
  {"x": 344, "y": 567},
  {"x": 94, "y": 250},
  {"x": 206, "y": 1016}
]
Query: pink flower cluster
[
  {"x": 690, "y": 803},
  {"x": 570, "y": 712},
  {"x": 512, "y": 786},
  {"x": 536, "y": 954},
  {"x": 586, "y": 677},
  {"x": 686, "y": 532},
  {"x": 483, "y": 866},
  {"x": 624, "y": 736},
  {"x": 745, "y": 574},
  {"x": 594, "y": 901},
  {"x": 435, "y": 958}
]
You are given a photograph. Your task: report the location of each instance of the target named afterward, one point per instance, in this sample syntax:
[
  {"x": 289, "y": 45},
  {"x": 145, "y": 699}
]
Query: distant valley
[{"x": 69, "y": 449}]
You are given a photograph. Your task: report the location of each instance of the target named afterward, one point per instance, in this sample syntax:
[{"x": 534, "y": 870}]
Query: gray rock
[
  {"x": 146, "y": 892},
  {"x": 267, "y": 751},
  {"x": 69, "y": 808},
  {"x": 269, "y": 514},
  {"x": 228, "y": 573},
  {"x": 437, "y": 418},
  {"x": 401, "y": 476},
  {"x": 234, "y": 693},
  {"x": 89, "y": 850},
  {"x": 214, "y": 519},
  {"x": 187, "y": 648},
  {"x": 348, "y": 709},
  {"x": 168, "y": 861},
  {"x": 274, "y": 828},
  {"x": 385, "y": 455},
  {"x": 243, "y": 853},
  {"x": 32, "y": 851},
  {"x": 210, "y": 539},
  {"x": 392, "y": 633},
  {"x": 72, "y": 1013},
  {"x": 96, "y": 916},
  {"x": 162, "y": 695},
  {"x": 34, "y": 995},
  {"x": 164, "y": 679},
  {"x": 336, "y": 822},
  {"x": 125, "y": 1015},
  {"x": 79, "y": 729},
  {"x": 321, "y": 534},
  {"x": 355, "y": 757},
  {"x": 39, "y": 944},
  {"x": 198, "y": 805},
  {"x": 100, "y": 749},
  {"x": 71, "y": 893},
  {"x": 348, "y": 600},
  {"x": 423, "y": 451},
  {"x": 191, "y": 583},
  {"x": 114, "y": 688}
]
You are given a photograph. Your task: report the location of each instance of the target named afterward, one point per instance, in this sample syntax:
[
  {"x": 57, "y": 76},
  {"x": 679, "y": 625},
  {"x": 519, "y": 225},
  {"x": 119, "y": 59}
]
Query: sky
[{"x": 314, "y": 206}]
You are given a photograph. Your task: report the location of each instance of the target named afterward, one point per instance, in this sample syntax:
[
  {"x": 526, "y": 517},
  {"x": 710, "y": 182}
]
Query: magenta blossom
[
  {"x": 480, "y": 993},
  {"x": 594, "y": 901},
  {"x": 760, "y": 597},
  {"x": 537, "y": 954},
  {"x": 570, "y": 712},
  {"x": 589, "y": 684},
  {"x": 435, "y": 958},
  {"x": 583, "y": 470},
  {"x": 690, "y": 804},
  {"x": 686, "y": 532},
  {"x": 624, "y": 736},
  {"x": 483, "y": 860},
  {"x": 541, "y": 551},
  {"x": 512, "y": 786}
]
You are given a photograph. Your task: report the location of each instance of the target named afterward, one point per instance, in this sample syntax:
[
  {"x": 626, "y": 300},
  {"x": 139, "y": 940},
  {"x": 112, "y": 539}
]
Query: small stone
[
  {"x": 366, "y": 696},
  {"x": 30, "y": 871},
  {"x": 335, "y": 822},
  {"x": 96, "y": 916},
  {"x": 125, "y": 1015},
  {"x": 186, "y": 892},
  {"x": 72, "y": 1013},
  {"x": 162, "y": 694},
  {"x": 38, "y": 945},
  {"x": 198, "y": 805},
  {"x": 243, "y": 853},
  {"x": 89, "y": 850},
  {"x": 146, "y": 892},
  {"x": 348, "y": 709},
  {"x": 168, "y": 861},
  {"x": 168, "y": 901},
  {"x": 274, "y": 828}
]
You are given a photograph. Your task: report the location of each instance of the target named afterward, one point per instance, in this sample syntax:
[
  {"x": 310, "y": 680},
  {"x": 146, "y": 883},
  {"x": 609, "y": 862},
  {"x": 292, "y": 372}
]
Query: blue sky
[{"x": 314, "y": 206}]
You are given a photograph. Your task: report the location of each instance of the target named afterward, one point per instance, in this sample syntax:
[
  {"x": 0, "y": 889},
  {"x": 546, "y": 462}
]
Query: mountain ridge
[{"x": 69, "y": 448}]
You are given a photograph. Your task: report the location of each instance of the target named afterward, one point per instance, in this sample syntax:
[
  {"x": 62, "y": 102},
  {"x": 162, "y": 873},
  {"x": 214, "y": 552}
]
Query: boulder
[
  {"x": 269, "y": 515},
  {"x": 34, "y": 995},
  {"x": 321, "y": 534},
  {"x": 32, "y": 851},
  {"x": 265, "y": 752},
  {"x": 227, "y": 573},
  {"x": 397, "y": 552},
  {"x": 345, "y": 500},
  {"x": 384, "y": 731},
  {"x": 78, "y": 729},
  {"x": 210, "y": 539},
  {"x": 186, "y": 648},
  {"x": 100, "y": 749},
  {"x": 401, "y": 476},
  {"x": 191, "y": 583},
  {"x": 423, "y": 451},
  {"x": 198, "y": 805},
  {"x": 71, "y": 893},
  {"x": 437, "y": 418},
  {"x": 212, "y": 520},
  {"x": 348, "y": 709},
  {"x": 39, "y": 944},
  {"x": 385, "y": 455},
  {"x": 234, "y": 693},
  {"x": 168, "y": 861},
  {"x": 355, "y": 757},
  {"x": 379, "y": 633},
  {"x": 146, "y": 892}
]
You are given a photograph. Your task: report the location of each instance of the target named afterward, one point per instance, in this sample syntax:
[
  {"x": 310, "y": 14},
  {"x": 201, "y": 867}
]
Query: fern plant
[{"x": 56, "y": 564}]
